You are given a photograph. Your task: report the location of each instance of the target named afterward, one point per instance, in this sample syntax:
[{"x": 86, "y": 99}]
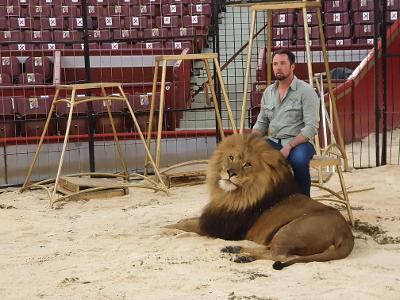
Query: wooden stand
[
  {"x": 163, "y": 59},
  {"x": 73, "y": 101},
  {"x": 319, "y": 161}
]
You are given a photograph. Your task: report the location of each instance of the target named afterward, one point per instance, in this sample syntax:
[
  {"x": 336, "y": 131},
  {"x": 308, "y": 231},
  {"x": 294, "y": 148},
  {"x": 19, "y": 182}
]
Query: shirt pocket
[
  {"x": 294, "y": 110},
  {"x": 269, "y": 111}
]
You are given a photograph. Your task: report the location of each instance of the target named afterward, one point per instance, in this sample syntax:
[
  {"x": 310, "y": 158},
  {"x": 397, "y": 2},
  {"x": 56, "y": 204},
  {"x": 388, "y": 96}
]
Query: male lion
[{"x": 253, "y": 196}]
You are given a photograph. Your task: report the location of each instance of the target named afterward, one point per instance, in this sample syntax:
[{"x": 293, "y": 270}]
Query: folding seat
[
  {"x": 50, "y": 2},
  {"x": 39, "y": 11},
  {"x": 77, "y": 23},
  {"x": 335, "y": 18},
  {"x": 125, "y": 34},
  {"x": 81, "y": 46},
  {"x": 32, "y": 114},
  {"x": 11, "y": 36},
  {"x": 140, "y": 103},
  {"x": 99, "y": 35},
  {"x": 8, "y": 126},
  {"x": 173, "y": 9},
  {"x": 363, "y": 30},
  {"x": 301, "y": 43},
  {"x": 79, "y": 122},
  {"x": 392, "y": 16},
  {"x": 22, "y": 2},
  {"x": 340, "y": 42},
  {"x": 100, "y": 2},
  {"x": 281, "y": 43},
  {"x": 118, "y": 11},
  {"x": 200, "y": 9},
  {"x": 21, "y": 47},
  {"x": 109, "y": 23},
  {"x": 311, "y": 19},
  {"x": 149, "y": 45},
  {"x": 72, "y": 2},
  {"x": 39, "y": 64},
  {"x": 66, "y": 11},
  {"x": 365, "y": 41},
  {"x": 114, "y": 45},
  {"x": 10, "y": 65},
  {"x": 182, "y": 32},
  {"x": 257, "y": 92},
  {"x": 362, "y": 5},
  {"x": 103, "y": 124},
  {"x": 282, "y": 19},
  {"x": 338, "y": 31},
  {"x": 137, "y": 22},
  {"x": 38, "y": 36},
  {"x": 196, "y": 21},
  {"x": 12, "y": 11},
  {"x": 145, "y": 10},
  {"x": 336, "y": 5},
  {"x": 153, "y": 2},
  {"x": 168, "y": 21},
  {"x": 180, "y": 45},
  {"x": 282, "y": 33},
  {"x": 52, "y": 46},
  {"x": 95, "y": 11},
  {"x": 393, "y": 5},
  {"x": 4, "y": 24},
  {"x": 363, "y": 17},
  {"x": 67, "y": 36},
  {"x": 5, "y": 79},
  {"x": 151, "y": 33},
  {"x": 201, "y": 1},
  {"x": 52, "y": 23},
  {"x": 21, "y": 23},
  {"x": 31, "y": 78}
]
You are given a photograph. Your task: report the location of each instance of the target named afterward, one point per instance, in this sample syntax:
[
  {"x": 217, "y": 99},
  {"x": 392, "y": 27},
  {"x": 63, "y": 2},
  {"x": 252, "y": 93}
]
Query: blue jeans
[{"x": 299, "y": 158}]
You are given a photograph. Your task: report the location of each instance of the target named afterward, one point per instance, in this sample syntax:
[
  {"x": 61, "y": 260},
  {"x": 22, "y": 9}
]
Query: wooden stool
[
  {"x": 163, "y": 59},
  {"x": 73, "y": 100}
]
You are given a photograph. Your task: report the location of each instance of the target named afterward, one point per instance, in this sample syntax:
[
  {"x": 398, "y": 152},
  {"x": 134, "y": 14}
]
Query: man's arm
[
  {"x": 262, "y": 124},
  {"x": 297, "y": 140}
]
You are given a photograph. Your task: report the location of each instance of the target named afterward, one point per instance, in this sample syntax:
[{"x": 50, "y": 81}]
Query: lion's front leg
[
  {"x": 188, "y": 225},
  {"x": 248, "y": 254}
]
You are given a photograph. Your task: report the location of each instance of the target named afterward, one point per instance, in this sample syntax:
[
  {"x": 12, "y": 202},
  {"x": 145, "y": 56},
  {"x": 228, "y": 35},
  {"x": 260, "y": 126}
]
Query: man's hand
[{"x": 286, "y": 150}]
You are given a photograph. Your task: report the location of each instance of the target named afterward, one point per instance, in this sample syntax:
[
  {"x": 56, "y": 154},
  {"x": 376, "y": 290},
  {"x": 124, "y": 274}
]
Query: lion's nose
[{"x": 231, "y": 173}]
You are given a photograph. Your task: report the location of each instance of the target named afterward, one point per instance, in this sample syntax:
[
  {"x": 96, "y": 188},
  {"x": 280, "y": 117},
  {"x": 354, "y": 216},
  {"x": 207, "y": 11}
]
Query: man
[{"x": 290, "y": 114}]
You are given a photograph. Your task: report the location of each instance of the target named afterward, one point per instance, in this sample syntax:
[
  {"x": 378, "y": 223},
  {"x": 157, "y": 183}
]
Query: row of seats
[
  {"x": 26, "y": 117},
  {"x": 110, "y": 11},
  {"x": 356, "y": 5},
  {"x": 99, "y": 2}
]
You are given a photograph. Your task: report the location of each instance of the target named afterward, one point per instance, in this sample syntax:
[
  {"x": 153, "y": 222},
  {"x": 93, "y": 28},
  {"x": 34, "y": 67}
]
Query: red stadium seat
[
  {"x": 8, "y": 126},
  {"x": 32, "y": 113},
  {"x": 31, "y": 78},
  {"x": 114, "y": 45},
  {"x": 340, "y": 42},
  {"x": 125, "y": 34},
  {"x": 168, "y": 21},
  {"x": 173, "y": 10},
  {"x": 196, "y": 21},
  {"x": 67, "y": 36},
  {"x": 66, "y": 11},
  {"x": 363, "y": 30},
  {"x": 50, "y": 2},
  {"x": 4, "y": 24},
  {"x": 362, "y": 5},
  {"x": 11, "y": 36},
  {"x": 79, "y": 122},
  {"x": 52, "y": 46},
  {"x": 151, "y": 33},
  {"x": 182, "y": 32},
  {"x": 77, "y": 23},
  {"x": 363, "y": 17},
  {"x": 153, "y": 2},
  {"x": 118, "y": 10},
  {"x": 39, "y": 11},
  {"x": 109, "y": 23},
  {"x": 145, "y": 10},
  {"x": 21, "y": 23},
  {"x": 21, "y": 47},
  {"x": 336, "y": 5},
  {"x": 100, "y": 2},
  {"x": 311, "y": 19},
  {"x": 393, "y": 5},
  {"x": 99, "y": 35},
  {"x": 22, "y": 2},
  {"x": 149, "y": 45},
  {"x": 282, "y": 19},
  {"x": 103, "y": 124},
  {"x": 315, "y": 42},
  {"x": 95, "y": 11},
  {"x": 201, "y": 1},
  {"x": 12, "y": 11},
  {"x": 392, "y": 16},
  {"x": 365, "y": 41},
  {"x": 52, "y": 23},
  {"x": 81, "y": 46},
  {"x": 179, "y": 45},
  {"x": 335, "y": 18},
  {"x": 5, "y": 79},
  {"x": 338, "y": 31},
  {"x": 10, "y": 65},
  {"x": 137, "y": 22},
  {"x": 281, "y": 43},
  {"x": 200, "y": 9},
  {"x": 38, "y": 36},
  {"x": 282, "y": 33},
  {"x": 39, "y": 64}
]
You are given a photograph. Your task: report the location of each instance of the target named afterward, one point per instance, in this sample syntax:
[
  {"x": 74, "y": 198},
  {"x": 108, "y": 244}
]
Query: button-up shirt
[{"x": 298, "y": 112}]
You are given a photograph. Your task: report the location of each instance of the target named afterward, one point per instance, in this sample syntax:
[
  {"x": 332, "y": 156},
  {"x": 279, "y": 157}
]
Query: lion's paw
[
  {"x": 231, "y": 249},
  {"x": 241, "y": 259}
]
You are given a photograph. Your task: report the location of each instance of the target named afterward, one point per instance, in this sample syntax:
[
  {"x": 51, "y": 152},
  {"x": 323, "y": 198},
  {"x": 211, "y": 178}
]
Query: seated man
[{"x": 290, "y": 114}]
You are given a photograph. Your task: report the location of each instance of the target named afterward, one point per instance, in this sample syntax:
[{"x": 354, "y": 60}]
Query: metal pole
[
  {"x": 216, "y": 50},
  {"x": 384, "y": 82},
  {"x": 376, "y": 62}
]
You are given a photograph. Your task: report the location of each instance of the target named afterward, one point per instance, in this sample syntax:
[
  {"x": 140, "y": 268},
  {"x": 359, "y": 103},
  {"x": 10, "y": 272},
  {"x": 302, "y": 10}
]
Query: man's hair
[{"x": 290, "y": 55}]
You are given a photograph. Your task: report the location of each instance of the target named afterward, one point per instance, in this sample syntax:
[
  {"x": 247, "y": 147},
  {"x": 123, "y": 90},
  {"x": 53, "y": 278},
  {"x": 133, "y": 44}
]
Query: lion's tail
[{"x": 342, "y": 251}]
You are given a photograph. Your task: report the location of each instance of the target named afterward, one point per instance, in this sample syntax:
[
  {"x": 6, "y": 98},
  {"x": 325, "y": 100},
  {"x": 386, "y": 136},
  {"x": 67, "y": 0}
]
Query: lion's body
[{"x": 253, "y": 197}]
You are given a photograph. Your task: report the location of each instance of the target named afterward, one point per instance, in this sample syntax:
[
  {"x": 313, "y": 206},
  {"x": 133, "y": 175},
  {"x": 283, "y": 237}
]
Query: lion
[{"x": 253, "y": 196}]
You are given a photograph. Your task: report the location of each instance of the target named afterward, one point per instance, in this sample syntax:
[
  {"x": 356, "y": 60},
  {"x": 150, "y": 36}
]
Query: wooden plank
[
  {"x": 65, "y": 184},
  {"x": 280, "y": 5},
  {"x": 187, "y": 56},
  {"x": 88, "y": 182}
]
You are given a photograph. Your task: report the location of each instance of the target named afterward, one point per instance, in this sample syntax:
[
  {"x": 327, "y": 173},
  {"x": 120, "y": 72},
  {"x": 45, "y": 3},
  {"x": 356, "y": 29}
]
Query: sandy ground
[{"x": 117, "y": 249}]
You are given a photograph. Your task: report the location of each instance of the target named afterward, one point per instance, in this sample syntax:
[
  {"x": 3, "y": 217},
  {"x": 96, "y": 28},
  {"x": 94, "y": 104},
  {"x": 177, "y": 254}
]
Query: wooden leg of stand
[
  {"x": 225, "y": 95},
  {"x": 151, "y": 115},
  {"x": 214, "y": 97},
  {"x": 46, "y": 126},
  {"x": 161, "y": 112},
  {"x": 247, "y": 74},
  {"x": 345, "y": 195}
]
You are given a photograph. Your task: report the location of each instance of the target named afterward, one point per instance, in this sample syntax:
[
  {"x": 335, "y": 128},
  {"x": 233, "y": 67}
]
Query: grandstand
[{"x": 47, "y": 42}]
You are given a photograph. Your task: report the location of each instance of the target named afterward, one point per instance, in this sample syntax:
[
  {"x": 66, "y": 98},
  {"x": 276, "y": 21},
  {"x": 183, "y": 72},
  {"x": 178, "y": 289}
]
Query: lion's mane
[{"x": 262, "y": 178}]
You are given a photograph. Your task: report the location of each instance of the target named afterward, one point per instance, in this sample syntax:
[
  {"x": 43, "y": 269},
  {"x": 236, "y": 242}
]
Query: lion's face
[{"x": 244, "y": 166}]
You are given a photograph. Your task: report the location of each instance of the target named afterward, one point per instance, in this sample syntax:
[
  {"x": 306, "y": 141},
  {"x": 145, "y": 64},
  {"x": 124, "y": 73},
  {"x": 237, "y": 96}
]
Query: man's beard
[{"x": 280, "y": 77}]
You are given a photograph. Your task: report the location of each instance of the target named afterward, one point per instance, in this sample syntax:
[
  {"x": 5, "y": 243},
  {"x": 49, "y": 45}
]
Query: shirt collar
[{"x": 292, "y": 86}]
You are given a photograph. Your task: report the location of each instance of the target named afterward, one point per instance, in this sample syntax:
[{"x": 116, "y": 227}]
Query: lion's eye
[
  {"x": 247, "y": 165},
  {"x": 230, "y": 157}
]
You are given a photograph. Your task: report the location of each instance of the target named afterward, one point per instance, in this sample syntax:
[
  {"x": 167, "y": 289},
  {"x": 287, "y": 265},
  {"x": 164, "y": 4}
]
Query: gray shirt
[{"x": 298, "y": 112}]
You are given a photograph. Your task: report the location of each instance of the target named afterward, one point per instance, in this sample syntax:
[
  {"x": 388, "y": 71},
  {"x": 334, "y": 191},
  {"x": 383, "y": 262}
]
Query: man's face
[{"x": 282, "y": 67}]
